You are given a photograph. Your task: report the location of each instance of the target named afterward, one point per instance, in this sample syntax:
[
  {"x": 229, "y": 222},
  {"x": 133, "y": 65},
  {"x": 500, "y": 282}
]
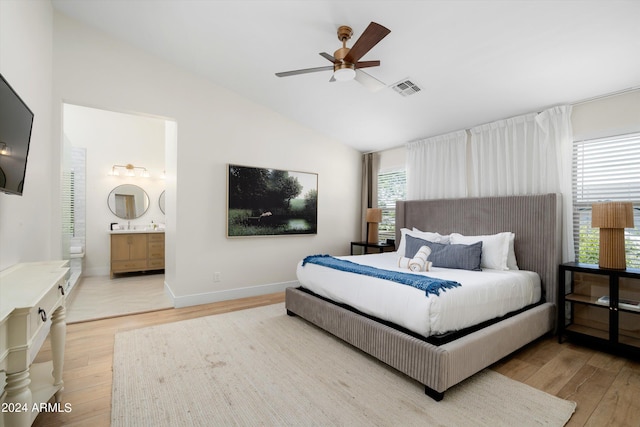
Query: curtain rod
[{"x": 580, "y": 102}]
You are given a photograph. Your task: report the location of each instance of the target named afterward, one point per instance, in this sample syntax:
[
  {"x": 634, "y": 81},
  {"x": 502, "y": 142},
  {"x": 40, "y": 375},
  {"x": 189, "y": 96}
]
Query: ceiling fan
[{"x": 346, "y": 65}]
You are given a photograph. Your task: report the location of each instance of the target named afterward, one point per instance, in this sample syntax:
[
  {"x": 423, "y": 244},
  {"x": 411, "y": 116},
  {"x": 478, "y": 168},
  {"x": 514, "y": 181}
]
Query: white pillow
[
  {"x": 425, "y": 235},
  {"x": 495, "y": 248},
  {"x": 512, "y": 263},
  {"x": 444, "y": 239}
]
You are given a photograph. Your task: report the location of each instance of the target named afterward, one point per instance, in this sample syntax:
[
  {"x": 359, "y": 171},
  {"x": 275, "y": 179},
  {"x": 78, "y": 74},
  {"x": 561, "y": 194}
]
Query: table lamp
[
  {"x": 374, "y": 217},
  {"x": 612, "y": 218}
]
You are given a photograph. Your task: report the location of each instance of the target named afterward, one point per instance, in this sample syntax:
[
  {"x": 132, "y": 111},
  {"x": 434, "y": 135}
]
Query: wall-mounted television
[{"x": 16, "y": 121}]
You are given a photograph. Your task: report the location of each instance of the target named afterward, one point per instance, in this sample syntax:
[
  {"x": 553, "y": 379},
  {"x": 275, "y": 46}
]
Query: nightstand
[
  {"x": 380, "y": 246},
  {"x": 600, "y": 307}
]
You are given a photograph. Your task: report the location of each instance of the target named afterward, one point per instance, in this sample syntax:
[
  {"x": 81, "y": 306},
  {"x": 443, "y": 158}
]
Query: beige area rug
[
  {"x": 99, "y": 297},
  {"x": 262, "y": 367}
]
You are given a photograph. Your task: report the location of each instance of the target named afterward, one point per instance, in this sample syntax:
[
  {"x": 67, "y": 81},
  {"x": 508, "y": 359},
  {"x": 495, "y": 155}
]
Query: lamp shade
[
  {"x": 612, "y": 218},
  {"x": 612, "y": 215},
  {"x": 374, "y": 215}
]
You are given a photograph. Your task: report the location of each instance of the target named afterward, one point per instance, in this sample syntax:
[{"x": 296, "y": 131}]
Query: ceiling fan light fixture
[{"x": 344, "y": 74}]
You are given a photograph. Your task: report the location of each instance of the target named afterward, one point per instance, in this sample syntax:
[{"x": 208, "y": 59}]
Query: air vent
[{"x": 406, "y": 87}]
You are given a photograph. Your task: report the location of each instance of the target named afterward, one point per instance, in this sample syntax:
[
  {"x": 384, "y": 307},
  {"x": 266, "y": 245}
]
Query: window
[
  {"x": 68, "y": 201},
  {"x": 392, "y": 186},
  {"x": 605, "y": 169}
]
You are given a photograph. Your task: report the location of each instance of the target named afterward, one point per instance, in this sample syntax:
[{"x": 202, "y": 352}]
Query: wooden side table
[{"x": 380, "y": 246}]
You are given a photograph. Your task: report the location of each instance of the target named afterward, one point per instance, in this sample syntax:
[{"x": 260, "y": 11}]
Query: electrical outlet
[{"x": 216, "y": 276}]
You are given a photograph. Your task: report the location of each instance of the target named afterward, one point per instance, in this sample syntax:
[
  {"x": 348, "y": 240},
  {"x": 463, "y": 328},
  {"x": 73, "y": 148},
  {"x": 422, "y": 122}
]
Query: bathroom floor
[{"x": 100, "y": 297}]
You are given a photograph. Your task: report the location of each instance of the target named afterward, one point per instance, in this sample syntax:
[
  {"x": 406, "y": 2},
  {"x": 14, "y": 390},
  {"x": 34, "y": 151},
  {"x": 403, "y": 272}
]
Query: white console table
[{"x": 31, "y": 306}]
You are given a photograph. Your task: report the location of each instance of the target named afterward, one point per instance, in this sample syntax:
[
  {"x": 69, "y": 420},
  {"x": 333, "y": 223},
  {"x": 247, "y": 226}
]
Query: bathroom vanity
[{"x": 133, "y": 250}]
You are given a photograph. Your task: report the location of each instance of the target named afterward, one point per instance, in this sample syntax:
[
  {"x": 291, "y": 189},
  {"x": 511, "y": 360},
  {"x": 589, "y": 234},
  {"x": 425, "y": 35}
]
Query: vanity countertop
[{"x": 137, "y": 231}]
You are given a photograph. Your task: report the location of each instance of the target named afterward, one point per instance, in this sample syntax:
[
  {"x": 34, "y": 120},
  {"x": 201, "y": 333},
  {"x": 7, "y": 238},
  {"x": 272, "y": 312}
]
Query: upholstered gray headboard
[{"x": 536, "y": 221}]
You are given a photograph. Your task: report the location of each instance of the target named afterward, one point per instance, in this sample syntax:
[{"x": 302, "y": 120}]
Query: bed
[{"x": 438, "y": 365}]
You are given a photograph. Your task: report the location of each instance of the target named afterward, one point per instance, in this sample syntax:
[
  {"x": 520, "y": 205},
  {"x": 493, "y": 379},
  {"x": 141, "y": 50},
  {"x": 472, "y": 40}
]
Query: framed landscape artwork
[{"x": 270, "y": 202}]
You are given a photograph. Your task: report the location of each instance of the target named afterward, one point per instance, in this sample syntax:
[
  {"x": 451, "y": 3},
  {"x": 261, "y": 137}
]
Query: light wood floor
[
  {"x": 605, "y": 387},
  {"x": 100, "y": 297}
]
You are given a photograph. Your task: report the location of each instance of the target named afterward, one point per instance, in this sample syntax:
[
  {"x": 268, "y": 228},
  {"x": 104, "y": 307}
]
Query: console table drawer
[{"x": 41, "y": 313}]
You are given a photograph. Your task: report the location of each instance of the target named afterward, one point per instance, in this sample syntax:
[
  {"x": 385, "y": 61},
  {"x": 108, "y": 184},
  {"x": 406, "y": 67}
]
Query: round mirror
[
  {"x": 128, "y": 201},
  {"x": 161, "y": 201}
]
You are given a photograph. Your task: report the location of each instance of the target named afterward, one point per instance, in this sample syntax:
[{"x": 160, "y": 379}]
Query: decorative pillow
[
  {"x": 464, "y": 257},
  {"x": 495, "y": 248},
  {"x": 432, "y": 237},
  {"x": 413, "y": 245}
]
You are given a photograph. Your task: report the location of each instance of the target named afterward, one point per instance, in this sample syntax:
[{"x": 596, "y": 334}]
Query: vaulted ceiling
[{"x": 474, "y": 61}]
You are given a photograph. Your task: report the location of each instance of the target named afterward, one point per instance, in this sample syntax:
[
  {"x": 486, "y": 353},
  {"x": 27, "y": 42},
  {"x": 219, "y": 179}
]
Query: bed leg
[
  {"x": 290, "y": 313},
  {"x": 435, "y": 395}
]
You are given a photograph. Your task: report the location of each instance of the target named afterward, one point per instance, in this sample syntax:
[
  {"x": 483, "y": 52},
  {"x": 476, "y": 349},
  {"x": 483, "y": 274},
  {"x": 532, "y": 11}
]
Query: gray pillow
[
  {"x": 413, "y": 245},
  {"x": 464, "y": 257}
]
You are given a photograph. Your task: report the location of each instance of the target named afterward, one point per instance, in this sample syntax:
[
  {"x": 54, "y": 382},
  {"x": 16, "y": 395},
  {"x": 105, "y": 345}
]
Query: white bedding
[{"x": 483, "y": 295}]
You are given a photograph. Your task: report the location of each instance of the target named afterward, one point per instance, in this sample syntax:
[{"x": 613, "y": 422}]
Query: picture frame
[{"x": 270, "y": 202}]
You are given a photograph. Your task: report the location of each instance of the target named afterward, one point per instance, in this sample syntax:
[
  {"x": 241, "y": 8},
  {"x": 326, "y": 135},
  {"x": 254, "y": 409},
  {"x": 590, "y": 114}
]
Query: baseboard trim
[{"x": 226, "y": 295}]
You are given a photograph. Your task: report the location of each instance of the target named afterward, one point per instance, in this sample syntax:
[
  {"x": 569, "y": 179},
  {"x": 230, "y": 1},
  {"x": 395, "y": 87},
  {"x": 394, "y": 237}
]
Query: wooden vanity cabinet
[
  {"x": 136, "y": 252},
  {"x": 155, "y": 254}
]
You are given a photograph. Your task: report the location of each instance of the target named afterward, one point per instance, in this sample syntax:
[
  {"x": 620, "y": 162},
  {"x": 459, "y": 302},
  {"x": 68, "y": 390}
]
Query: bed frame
[{"x": 536, "y": 222}]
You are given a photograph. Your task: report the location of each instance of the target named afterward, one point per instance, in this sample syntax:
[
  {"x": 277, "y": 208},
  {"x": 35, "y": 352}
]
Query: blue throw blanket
[{"x": 430, "y": 285}]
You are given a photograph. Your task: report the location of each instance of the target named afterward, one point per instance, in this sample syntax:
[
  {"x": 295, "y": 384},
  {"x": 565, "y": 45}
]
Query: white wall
[
  {"x": 393, "y": 158},
  {"x": 112, "y": 138},
  {"x": 608, "y": 116},
  {"x": 27, "y": 222},
  {"x": 214, "y": 127}
]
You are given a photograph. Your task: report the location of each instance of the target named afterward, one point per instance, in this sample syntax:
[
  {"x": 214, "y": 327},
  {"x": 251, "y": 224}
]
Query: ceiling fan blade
[
  {"x": 365, "y": 64},
  {"x": 329, "y": 57},
  {"x": 371, "y": 37},
  {"x": 368, "y": 81},
  {"x": 304, "y": 71}
]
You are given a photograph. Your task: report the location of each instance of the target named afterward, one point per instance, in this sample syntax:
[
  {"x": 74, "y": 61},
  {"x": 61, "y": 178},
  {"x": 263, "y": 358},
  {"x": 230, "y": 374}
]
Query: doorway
[{"x": 110, "y": 139}]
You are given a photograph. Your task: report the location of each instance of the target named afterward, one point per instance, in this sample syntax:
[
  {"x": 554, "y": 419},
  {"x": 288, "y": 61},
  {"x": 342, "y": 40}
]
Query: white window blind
[
  {"x": 392, "y": 186},
  {"x": 68, "y": 202},
  {"x": 605, "y": 169}
]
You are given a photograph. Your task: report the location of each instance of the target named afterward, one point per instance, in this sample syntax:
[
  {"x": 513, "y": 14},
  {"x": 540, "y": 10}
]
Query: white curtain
[
  {"x": 529, "y": 154},
  {"x": 437, "y": 167}
]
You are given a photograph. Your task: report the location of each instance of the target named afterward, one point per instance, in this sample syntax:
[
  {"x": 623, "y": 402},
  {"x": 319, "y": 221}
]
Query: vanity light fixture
[
  {"x": 129, "y": 170},
  {"x": 5, "y": 150}
]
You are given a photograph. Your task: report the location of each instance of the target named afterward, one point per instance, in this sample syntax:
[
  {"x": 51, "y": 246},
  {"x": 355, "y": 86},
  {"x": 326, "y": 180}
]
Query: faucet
[{"x": 128, "y": 225}]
